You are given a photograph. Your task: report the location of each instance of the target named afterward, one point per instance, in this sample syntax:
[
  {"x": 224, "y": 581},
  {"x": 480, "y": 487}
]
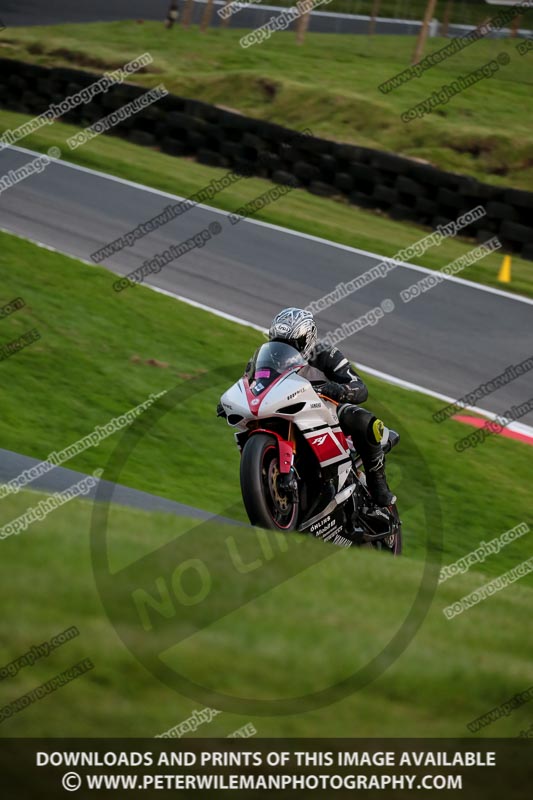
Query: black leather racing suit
[
  {"x": 365, "y": 429},
  {"x": 332, "y": 365}
]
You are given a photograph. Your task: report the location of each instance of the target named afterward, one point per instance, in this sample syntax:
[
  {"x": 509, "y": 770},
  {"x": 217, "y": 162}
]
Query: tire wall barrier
[{"x": 400, "y": 187}]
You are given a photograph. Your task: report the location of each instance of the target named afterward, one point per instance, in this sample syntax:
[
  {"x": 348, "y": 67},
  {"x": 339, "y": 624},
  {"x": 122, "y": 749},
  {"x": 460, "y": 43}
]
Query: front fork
[
  {"x": 287, "y": 479},
  {"x": 287, "y": 482}
]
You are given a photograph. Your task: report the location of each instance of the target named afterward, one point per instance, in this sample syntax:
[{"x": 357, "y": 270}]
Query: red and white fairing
[{"x": 316, "y": 419}]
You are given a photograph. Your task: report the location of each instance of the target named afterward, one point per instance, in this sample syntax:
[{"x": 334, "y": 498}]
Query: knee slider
[{"x": 358, "y": 421}]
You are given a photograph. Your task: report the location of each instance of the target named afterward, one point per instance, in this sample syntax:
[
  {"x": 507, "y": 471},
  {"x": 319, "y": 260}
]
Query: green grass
[
  {"x": 336, "y": 221},
  {"x": 95, "y": 361},
  {"x": 330, "y": 85},
  {"x": 90, "y": 365},
  {"x": 275, "y": 644}
]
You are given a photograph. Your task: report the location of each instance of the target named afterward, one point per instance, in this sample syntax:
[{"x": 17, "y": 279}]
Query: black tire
[
  {"x": 394, "y": 543},
  {"x": 230, "y": 149},
  {"x": 280, "y": 176},
  {"x": 404, "y": 212},
  {"x": 501, "y": 211},
  {"x": 518, "y": 197},
  {"x": 174, "y": 147},
  {"x": 306, "y": 172},
  {"x": 426, "y": 208},
  {"x": 405, "y": 185},
  {"x": 362, "y": 200},
  {"x": 142, "y": 138},
  {"x": 389, "y": 162},
  {"x": 259, "y": 462},
  {"x": 364, "y": 173},
  {"x": 252, "y": 140},
  {"x": 270, "y": 161},
  {"x": 211, "y": 158},
  {"x": 322, "y": 189},
  {"x": 517, "y": 233},
  {"x": 385, "y": 196},
  {"x": 177, "y": 120},
  {"x": 450, "y": 199},
  {"x": 428, "y": 176},
  {"x": 527, "y": 252},
  {"x": 196, "y": 140},
  {"x": 472, "y": 189},
  {"x": 483, "y": 234},
  {"x": 344, "y": 181},
  {"x": 328, "y": 167}
]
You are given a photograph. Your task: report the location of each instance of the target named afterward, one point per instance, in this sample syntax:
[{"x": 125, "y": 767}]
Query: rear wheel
[
  {"x": 393, "y": 542},
  {"x": 267, "y": 504}
]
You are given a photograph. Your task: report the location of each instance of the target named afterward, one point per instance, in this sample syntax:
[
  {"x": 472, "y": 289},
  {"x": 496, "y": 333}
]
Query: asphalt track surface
[
  {"x": 59, "y": 479},
  {"x": 44, "y": 12},
  {"x": 39, "y": 12},
  {"x": 449, "y": 340}
]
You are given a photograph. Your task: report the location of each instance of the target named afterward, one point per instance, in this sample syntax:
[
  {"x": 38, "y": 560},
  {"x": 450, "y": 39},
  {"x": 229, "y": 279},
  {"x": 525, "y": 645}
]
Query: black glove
[
  {"x": 335, "y": 391},
  {"x": 220, "y": 411},
  {"x": 342, "y": 393}
]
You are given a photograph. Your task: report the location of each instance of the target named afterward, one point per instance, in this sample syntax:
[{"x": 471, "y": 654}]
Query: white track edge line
[
  {"x": 518, "y": 427},
  {"x": 416, "y": 267}
]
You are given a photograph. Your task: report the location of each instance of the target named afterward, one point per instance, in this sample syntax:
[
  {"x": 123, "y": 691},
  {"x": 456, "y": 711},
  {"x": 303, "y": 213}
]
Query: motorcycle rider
[{"x": 297, "y": 327}]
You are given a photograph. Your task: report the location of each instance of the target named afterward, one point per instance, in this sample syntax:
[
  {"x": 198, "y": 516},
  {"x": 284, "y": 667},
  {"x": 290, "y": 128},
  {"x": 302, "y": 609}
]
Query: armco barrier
[{"x": 401, "y": 187}]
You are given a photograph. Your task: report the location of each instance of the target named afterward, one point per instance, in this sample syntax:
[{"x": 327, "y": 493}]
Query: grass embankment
[
  {"x": 350, "y": 604},
  {"x": 330, "y": 85},
  {"x": 93, "y": 363}
]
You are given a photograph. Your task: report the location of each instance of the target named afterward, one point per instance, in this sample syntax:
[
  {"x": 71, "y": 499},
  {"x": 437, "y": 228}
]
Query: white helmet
[{"x": 295, "y": 327}]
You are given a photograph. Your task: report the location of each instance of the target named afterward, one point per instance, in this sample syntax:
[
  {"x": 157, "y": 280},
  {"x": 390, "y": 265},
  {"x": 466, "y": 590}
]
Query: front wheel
[{"x": 267, "y": 504}]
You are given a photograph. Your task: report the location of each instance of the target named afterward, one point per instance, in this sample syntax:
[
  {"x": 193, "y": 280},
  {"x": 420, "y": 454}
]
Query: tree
[
  {"x": 423, "y": 35},
  {"x": 376, "y": 5}
]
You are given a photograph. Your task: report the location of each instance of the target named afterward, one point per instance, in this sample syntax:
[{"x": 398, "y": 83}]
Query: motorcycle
[{"x": 298, "y": 470}]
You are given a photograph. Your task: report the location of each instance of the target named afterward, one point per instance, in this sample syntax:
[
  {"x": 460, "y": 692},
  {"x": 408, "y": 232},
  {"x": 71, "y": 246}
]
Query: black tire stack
[{"x": 400, "y": 187}]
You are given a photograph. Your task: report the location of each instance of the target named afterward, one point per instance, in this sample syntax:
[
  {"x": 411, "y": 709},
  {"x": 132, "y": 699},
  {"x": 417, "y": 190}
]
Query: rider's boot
[
  {"x": 376, "y": 481},
  {"x": 367, "y": 432}
]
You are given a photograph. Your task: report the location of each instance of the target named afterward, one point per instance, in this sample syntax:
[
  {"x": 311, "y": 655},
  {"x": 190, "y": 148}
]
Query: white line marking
[
  {"x": 519, "y": 427},
  {"x": 203, "y": 307},
  {"x": 462, "y": 281}
]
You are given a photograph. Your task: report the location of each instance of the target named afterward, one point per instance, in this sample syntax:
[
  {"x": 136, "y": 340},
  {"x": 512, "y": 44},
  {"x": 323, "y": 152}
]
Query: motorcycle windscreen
[{"x": 270, "y": 361}]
